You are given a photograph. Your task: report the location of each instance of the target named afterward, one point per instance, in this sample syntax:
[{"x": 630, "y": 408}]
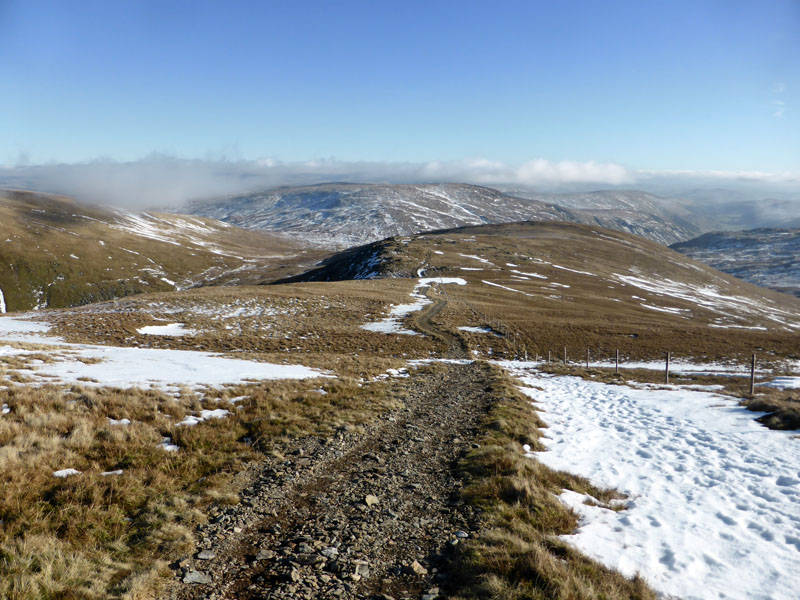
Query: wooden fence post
[
  {"x": 666, "y": 370},
  {"x": 616, "y": 363},
  {"x": 587, "y": 358},
  {"x": 565, "y": 355},
  {"x": 752, "y": 375},
  {"x": 549, "y": 359}
]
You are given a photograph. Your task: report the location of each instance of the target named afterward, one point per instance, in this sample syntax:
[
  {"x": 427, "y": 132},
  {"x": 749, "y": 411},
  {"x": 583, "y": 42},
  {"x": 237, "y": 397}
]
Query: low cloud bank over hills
[{"x": 164, "y": 181}]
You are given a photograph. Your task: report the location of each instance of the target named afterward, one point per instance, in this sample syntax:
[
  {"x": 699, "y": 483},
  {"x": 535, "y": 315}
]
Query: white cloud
[
  {"x": 712, "y": 175},
  {"x": 547, "y": 172},
  {"x": 163, "y": 181}
]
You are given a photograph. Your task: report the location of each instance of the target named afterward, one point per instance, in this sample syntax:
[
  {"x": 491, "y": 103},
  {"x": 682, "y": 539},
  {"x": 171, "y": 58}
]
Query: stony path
[{"x": 361, "y": 515}]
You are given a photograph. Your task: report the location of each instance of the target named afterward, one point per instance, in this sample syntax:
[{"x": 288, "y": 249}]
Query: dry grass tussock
[
  {"x": 93, "y": 536},
  {"x": 518, "y": 555}
]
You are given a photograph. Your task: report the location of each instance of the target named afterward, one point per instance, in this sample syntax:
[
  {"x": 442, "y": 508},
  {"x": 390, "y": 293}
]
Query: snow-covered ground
[
  {"x": 393, "y": 323},
  {"x": 173, "y": 329},
  {"x": 475, "y": 329},
  {"x": 730, "y": 308},
  {"x": 785, "y": 383},
  {"x": 713, "y": 508},
  {"x": 679, "y": 367},
  {"x": 95, "y": 365}
]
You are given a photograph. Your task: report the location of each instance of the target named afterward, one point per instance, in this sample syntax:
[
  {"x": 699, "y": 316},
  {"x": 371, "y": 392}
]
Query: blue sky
[{"x": 649, "y": 85}]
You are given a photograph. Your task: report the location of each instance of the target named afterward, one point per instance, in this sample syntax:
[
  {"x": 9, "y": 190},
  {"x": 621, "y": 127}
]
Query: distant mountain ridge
[
  {"x": 346, "y": 214},
  {"x": 56, "y": 252},
  {"x": 767, "y": 257}
]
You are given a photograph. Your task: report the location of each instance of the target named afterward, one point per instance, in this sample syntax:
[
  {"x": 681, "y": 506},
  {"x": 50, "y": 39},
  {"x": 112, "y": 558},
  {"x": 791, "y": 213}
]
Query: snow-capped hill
[
  {"x": 766, "y": 257},
  {"x": 662, "y": 220},
  {"x": 342, "y": 215},
  {"x": 56, "y": 252},
  {"x": 601, "y": 200}
]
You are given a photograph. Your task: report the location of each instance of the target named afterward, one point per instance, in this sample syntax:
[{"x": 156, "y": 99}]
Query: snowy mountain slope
[
  {"x": 633, "y": 211},
  {"x": 730, "y": 210},
  {"x": 342, "y": 215},
  {"x": 766, "y": 257},
  {"x": 57, "y": 252}
]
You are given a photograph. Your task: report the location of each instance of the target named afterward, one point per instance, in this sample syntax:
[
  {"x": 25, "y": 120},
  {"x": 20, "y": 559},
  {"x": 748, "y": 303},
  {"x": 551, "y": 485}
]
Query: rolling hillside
[
  {"x": 55, "y": 252},
  {"x": 766, "y": 257},
  {"x": 557, "y": 284}
]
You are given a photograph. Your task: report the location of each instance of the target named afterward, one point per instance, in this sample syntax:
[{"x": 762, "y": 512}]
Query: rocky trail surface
[{"x": 372, "y": 514}]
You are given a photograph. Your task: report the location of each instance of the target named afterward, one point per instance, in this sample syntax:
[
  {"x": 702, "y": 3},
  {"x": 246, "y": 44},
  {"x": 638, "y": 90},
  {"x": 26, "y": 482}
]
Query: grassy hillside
[
  {"x": 550, "y": 285},
  {"x": 55, "y": 252}
]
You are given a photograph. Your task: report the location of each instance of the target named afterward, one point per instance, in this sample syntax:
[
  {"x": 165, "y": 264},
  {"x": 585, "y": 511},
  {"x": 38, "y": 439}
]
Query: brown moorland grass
[
  {"x": 304, "y": 322},
  {"x": 546, "y": 286},
  {"x": 595, "y": 308},
  {"x": 517, "y": 554},
  {"x": 96, "y": 536}
]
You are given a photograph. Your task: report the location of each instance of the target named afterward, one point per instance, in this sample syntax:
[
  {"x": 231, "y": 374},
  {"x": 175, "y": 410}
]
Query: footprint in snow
[
  {"x": 726, "y": 519},
  {"x": 668, "y": 559},
  {"x": 793, "y": 541}
]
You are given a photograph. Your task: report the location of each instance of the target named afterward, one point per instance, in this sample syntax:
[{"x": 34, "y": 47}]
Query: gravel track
[{"x": 372, "y": 514}]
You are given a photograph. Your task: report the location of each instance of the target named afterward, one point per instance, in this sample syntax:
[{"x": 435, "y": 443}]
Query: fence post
[
  {"x": 752, "y": 375},
  {"x": 587, "y": 358},
  {"x": 549, "y": 360},
  {"x": 565, "y": 355},
  {"x": 666, "y": 370},
  {"x": 616, "y": 363}
]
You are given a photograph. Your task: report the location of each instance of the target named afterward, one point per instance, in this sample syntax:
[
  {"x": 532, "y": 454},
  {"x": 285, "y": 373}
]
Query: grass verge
[
  {"x": 110, "y": 530},
  {"x": 517, "y": 554}
]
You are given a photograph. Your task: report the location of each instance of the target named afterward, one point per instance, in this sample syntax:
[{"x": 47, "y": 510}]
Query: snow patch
[
  {"x": 173, "y": 329},
  {"x": 785, "y": 383},
  {"x": 573, "y": 270},
  {"x": 666, "y": 309},
  {"x": 138, "y": 367},
  {"x": 391, "y": 323},
  {"x": 205, "y": 415},
  {"x": 505, "y": 287},
  {"x": 64, "y": 473},
  {"x": 526, "y": 274},
  {"x": 713, "y": 497},
  {"x": 167, "y": 445}
]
